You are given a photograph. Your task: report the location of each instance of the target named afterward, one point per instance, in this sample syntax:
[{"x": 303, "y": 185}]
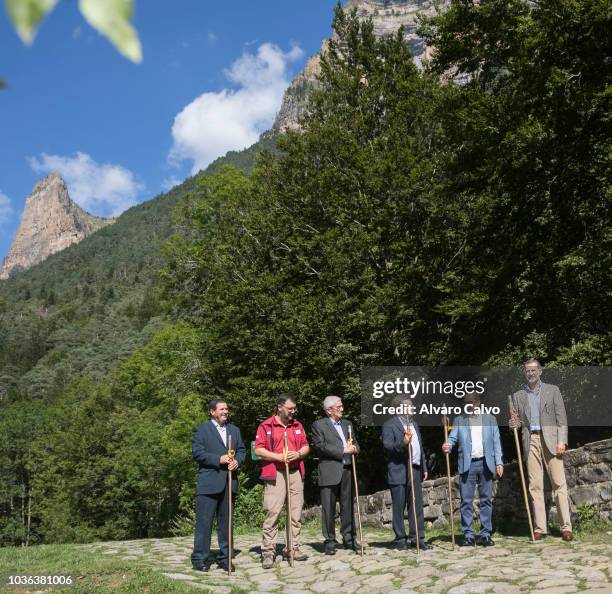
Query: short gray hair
[
  {"x": 533, "y": 360},
  {"x": 330, "y": 401}
]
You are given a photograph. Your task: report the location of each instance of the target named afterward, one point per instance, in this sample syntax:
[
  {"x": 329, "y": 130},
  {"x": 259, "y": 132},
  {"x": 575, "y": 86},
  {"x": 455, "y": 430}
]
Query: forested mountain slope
[{"x": 87, "y": 307}]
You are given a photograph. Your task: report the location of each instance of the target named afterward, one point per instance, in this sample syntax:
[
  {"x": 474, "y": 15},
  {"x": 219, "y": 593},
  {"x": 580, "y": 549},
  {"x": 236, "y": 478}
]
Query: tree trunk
[{"x": 27, "y": 541}]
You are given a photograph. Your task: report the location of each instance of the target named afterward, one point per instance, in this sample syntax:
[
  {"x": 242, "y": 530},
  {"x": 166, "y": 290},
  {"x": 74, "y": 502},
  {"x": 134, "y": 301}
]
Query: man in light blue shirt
[
  {"x": 535, "y": 402},
  {"x": 480, "y": 457}
]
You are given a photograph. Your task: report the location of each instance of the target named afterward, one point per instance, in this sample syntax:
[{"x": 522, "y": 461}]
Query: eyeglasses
[{"x": 288, "y": 409}]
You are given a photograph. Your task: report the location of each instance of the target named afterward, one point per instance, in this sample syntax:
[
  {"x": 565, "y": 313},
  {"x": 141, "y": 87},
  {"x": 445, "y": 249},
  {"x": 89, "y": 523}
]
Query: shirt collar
[
  {"x": 218, "y": 426},
  {"x": 536, "y": 391},
  {"x": 276, "y": 422}
]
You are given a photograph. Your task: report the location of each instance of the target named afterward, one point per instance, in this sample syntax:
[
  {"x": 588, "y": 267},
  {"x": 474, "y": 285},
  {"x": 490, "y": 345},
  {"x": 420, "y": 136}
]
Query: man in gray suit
[
  {"x": 330, "y": 438},
  {"x": 541, "y": 413}
]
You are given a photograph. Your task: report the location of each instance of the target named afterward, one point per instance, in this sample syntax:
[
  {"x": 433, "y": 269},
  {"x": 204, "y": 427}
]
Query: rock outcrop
[
  {"x": 387, "y": 17},
  {"x": 51, "y": 222}
]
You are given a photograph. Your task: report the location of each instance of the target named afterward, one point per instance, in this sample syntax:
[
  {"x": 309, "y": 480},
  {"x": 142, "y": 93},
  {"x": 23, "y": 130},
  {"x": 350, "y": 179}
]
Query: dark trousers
[
  {"x": 401, "y": 498},
  {"x": 206, "y": 507},
  {"x": 329, "y": 495},
  {"x": 478, "y": 473}
]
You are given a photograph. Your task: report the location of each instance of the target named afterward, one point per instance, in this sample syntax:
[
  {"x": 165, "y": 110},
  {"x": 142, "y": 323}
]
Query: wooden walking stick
[
  {"x": 448, "y": 475},
  {"x": 289, "y": 537},
  {"x": 350, "y": 442},
  {"x": 414, "y": 513},
  {"x": 520, "y": 465},
  {"x": 230, "y": 539}
]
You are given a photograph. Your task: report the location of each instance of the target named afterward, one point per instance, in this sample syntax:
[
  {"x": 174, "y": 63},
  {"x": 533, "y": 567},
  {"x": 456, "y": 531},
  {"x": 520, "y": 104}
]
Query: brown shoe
[
  {"x": 566, "y": 535},
  {"x": 538, "y": 535},
  {"x": 267, "y": 561},
  {"x": 297, "y": 555}
]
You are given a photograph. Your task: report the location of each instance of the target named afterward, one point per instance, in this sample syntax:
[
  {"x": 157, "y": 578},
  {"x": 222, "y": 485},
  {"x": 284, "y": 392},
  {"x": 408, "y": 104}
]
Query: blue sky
[{"x": 120, "y": 133}]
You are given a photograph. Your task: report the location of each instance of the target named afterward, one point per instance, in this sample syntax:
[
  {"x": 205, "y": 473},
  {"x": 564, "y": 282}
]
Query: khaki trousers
[
  {"x": 540, "y": 458},
  {"x": 275, "y": 493}
]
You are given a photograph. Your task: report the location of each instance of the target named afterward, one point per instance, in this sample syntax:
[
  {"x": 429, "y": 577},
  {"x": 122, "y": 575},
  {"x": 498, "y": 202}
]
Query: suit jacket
[
  {"x": 553, "y": 419},
  {"x": 397, "y": 451},
  {"x": 330, "y": 448},
  {"x": 207, "y": 448},
  {"x": 462, "y": 436}
]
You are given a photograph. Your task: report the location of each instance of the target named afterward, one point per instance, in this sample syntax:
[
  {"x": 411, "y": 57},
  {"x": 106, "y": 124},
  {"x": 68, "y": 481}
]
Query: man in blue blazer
[
  {"x": 397, "y": 433},
  {"x": 209, "y": 446},
  {"x": 480, "y": 457}
]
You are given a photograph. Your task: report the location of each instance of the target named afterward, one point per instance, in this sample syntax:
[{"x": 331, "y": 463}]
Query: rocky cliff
[
  {"x": 51, "y": 221},
  {"x": 387, "y": 17}
]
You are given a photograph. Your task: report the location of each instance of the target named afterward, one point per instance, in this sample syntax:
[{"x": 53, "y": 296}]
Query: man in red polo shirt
[{"x": 269, "y": 444}]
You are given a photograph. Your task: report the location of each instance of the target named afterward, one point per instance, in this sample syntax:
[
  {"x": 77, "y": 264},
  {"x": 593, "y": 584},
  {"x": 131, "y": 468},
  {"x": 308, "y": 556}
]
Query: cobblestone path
[{"x": 514, "y": 565}]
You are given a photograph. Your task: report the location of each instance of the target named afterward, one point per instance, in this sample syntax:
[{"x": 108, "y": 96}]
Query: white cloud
[
  {"x": 6, "y": 209},
  {"x": 103, "y": 189},
  {"x": 233, "y": 119}
]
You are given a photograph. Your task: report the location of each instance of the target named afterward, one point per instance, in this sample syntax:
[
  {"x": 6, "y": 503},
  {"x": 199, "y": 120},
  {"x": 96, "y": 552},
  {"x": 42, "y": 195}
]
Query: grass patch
[{"x": 91, "y": 573}]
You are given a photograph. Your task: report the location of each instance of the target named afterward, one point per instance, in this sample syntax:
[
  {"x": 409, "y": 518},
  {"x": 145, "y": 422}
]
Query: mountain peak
[
  {"x": 51, "y": 222},
  {"x": 387, "y": 17}
]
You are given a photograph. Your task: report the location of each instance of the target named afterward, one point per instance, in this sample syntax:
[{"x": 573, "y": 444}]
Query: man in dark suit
[
  {"x": 330, "y": 438},
  {"x": 209, "y": 446},
  {"x": 397, "y": 433}
]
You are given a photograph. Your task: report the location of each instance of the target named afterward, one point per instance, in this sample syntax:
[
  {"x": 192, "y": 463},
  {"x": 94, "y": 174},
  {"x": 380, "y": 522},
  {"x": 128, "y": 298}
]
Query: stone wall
[{"x": 589, "y": 477}]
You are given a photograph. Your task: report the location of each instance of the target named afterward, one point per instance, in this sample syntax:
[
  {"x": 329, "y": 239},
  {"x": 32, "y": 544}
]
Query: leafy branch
[{"x": 111, "y": 18}]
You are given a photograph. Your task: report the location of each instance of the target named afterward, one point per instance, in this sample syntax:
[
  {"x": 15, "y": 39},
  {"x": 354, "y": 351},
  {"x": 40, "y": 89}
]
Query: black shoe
[
  {"x": 426, "y": 546},
  {"x": 200, "y": 566},
  {"x": 351, "y": 545},
  {"x": 423, "y": 546},
  {"x": 486, "y": 541},
  {"x": 468, "y": 542},
  {"x": 330, "y": 548},
  {"x": 225, "y": 566},
  {"x": 400, "y": 545}
]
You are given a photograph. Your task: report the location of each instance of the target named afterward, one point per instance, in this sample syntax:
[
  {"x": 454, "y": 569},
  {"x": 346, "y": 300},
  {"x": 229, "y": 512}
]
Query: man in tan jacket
[{"x": 541, "y": 414}]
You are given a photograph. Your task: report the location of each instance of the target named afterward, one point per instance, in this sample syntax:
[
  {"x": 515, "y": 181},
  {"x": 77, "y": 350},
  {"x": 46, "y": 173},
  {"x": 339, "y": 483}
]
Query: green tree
[
  {"x": 18, "y": 426},
  {"x": 326, "y": 259},
  {"x": 69, "y": 465},
  {"x": 529, "y": 157}
]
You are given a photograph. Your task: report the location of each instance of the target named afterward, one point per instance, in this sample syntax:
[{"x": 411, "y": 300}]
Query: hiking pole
[
  {"x": 414, "y": 513},
  {"x": 448, "y": 475},
  {"x": 289, "y": 538},
  {"x": 520, "y": 465},
  {"x": 354, "y": 464},
  {"x": 230, "y": 539}
]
